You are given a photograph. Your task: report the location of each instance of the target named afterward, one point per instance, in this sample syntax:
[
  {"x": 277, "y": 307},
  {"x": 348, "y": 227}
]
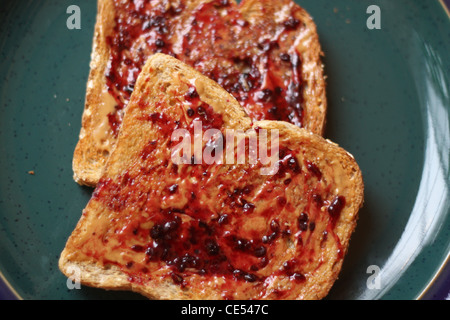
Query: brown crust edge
[{"x": 88, "y": 160}]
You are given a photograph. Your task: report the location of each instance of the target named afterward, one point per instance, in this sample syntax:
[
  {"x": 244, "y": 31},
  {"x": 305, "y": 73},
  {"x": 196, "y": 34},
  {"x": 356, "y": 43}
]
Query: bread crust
[
  {"x": 310, "y": 50},
  {"x": 89, "y": 159},
  {"x": 96, "y": 141},
  {"x": 335, "y": 163}
]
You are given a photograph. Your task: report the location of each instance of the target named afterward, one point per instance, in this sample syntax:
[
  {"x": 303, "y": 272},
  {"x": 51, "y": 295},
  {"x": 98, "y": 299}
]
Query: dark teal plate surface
[{"x": 388, "y": 92}]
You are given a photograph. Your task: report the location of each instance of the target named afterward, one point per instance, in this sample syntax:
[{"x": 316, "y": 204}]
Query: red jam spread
[
  {"x": 256, "y": 62},
  {"x": 221, "y": 226}
]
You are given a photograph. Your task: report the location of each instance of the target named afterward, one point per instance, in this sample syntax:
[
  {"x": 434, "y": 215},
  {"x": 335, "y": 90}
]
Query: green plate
[{"x": 388, "y": 92}]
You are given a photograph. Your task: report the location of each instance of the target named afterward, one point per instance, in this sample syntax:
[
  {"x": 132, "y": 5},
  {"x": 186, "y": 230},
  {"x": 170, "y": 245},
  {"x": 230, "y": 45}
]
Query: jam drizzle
[
  {"x": 207, "y": 235},
  {"x": 258, "y": 64}
]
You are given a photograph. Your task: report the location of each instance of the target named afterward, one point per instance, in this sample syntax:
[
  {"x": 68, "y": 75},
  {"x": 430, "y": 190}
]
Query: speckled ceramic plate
[{"x": 388, "y": 93}]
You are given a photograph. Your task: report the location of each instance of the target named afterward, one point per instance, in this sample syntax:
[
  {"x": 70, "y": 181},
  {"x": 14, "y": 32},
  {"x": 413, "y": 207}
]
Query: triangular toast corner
[{"x": 213, "y": 231}]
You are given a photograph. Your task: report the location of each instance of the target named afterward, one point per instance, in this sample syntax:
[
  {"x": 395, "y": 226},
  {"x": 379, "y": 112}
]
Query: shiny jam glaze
[
  {"x": 255, "y": 62},
  {"x": 141, "y": 29},
  {"x": 224, "y": 226}
]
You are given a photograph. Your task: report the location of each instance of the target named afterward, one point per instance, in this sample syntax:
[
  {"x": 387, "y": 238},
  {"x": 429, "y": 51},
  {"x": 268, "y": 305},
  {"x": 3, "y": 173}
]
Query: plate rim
[{"x": 8, "y": 292}]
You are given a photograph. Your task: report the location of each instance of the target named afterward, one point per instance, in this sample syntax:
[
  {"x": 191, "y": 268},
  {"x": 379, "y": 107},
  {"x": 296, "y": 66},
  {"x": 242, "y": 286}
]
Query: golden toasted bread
[
  {"x": 265, "y": 53},
  {"x": 185, "y": 210}
]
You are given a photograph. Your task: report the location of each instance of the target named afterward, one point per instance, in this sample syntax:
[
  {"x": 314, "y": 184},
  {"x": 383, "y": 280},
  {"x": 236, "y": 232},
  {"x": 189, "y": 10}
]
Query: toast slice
[
  {"x": 186, "y": 209},
  {"x": 265, "y": 53},
  {"x": 113, "y": 41}
]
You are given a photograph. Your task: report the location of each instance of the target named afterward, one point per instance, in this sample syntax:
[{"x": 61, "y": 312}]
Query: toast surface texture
[
  {"x": 265, "y": 53},
  {"x": 184, "y": 227}
]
